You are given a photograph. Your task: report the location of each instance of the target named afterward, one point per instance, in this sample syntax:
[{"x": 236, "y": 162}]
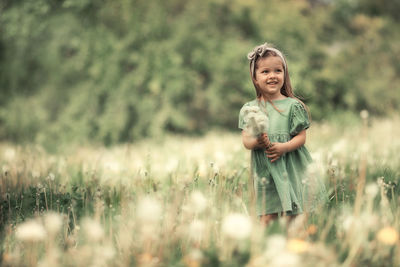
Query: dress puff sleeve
[
  {"x": 299, "y": 119},
  {"x": 242, "y": 123}
]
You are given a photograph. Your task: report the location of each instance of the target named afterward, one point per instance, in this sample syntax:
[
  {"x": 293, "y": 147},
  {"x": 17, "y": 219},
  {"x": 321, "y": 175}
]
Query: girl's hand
[
  {"x": 276, "y": 150},
  {"x": 263, "y": 140}
]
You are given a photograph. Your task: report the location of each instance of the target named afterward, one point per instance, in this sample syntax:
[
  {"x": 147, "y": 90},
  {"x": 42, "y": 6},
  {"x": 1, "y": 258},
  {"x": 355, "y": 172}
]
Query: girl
[{"x": 279, "y": 158}]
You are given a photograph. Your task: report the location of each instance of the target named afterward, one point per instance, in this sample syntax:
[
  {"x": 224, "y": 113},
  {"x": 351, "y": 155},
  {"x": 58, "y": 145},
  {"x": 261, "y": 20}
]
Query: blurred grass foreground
[{"x": 184, "y": 201}]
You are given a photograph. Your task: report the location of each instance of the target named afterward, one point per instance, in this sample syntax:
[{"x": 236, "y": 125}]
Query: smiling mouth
[{"x": 272, "y": 83}]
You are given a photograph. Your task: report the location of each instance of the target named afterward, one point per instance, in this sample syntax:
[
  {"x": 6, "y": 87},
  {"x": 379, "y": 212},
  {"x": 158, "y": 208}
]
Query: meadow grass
[{"x": 184, "y": 201}]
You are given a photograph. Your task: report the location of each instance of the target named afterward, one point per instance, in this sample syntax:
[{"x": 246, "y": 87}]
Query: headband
[{"x": 259, "y": 51}]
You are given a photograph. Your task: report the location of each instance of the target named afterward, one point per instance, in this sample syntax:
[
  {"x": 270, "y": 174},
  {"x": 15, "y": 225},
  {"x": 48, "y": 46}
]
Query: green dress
[{"x": 279, "y": 186}]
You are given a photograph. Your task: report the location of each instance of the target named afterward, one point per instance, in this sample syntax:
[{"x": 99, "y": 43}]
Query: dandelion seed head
[
  {"x": 35, "y": 174},
  {"x": 340, "y": 146},
  {"x": 196, "y": 230},
  {"x": 236, "y": 226},
  {"x": 149, "y": 210},
  {"x": 30, "y": 231},
  {"x": 364, "y": 114},
  {"x": 371, "y": 190},
  {"x": 215, "y": 169},
  {"x": 51, "y": 176},
  {"x": 171, "y": 165},
  {"x": 9, "y": 154},
  {"x": 334, "y": 163},
  {"x": 364, "y": 147},
  {"x": 53, "y": 222},
  {"x": 285, "y": 259},
  {"x": 198, "y": 202},
  {"x": 93, "y": 230},
  {"x": 264, "y": 181},
  {"x": 113, "y": 166},
  {"x": 107, "y": 252},
  {"x": 256, "y": 121},
  {"x": 194, "y": 258},
  {"x": 275, "y": 244},
  {"x": 5, "y": 168}
]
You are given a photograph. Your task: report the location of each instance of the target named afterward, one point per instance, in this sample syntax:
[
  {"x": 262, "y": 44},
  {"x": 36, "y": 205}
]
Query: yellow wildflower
[
  {"x": 388, "y": 235},
  {"x": 297, "y": 245}
]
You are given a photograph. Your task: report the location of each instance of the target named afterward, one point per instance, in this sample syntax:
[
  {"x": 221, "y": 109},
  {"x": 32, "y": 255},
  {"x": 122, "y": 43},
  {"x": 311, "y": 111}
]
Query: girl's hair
[{"x": 267, "y": 50}]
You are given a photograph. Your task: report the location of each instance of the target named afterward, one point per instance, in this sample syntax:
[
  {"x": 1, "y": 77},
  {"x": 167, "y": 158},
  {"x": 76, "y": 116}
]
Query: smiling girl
[{"x": 279, "y": 157}]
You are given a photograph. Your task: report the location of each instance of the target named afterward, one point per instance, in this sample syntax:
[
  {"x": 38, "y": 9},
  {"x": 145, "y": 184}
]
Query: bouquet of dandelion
[{"x": 255, "y": 120}]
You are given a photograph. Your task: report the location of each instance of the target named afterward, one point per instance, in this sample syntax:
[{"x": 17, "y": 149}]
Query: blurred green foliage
[{"x": 116, "y": 71}]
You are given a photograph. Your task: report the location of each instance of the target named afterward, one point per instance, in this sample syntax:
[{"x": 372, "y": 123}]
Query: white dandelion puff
[
  {"x": 286, "y": 259},
  {"x": 275, "y": 244},
  {"x": 30, "y": 231},
  {"x": 9, "y": 154},
  {"x": 113, "y": 166},
  {"x": 236, "y": 226},
  {"x": 371, "y": 190},
  {"x": 53, "y": 222},
  {"x": 364, "y": 114},
  {"x": 196, "y": 230},
  {"x": 198, "y": 202},
  {"x": 93, "y": 230},
  {"x": 255, "y": 120},
  {"x": 149, "y": 210}
]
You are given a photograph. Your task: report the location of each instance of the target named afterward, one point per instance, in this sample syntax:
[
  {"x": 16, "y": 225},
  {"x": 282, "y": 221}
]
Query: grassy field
[{"x": 184, "y": 201}]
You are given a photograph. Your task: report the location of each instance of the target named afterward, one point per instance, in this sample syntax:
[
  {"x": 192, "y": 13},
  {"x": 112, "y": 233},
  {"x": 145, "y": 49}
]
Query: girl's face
[{"x": 270, "y": 76}]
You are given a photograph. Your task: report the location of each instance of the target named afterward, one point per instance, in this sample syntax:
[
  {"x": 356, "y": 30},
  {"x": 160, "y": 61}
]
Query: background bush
[{"x": 117, "y": 71}]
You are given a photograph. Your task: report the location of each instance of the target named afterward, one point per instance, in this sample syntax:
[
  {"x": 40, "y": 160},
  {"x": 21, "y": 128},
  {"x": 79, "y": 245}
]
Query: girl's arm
[
  {"x": 251, "y": 142},
  {"x": 276, "y": 150}
]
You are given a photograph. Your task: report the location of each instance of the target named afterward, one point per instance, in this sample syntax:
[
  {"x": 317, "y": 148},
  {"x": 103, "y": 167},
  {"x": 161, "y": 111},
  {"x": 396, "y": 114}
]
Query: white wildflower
[
  {"x": 107, "y": 252},
  {"x": 113, "y": 166},
  {"x": 171, "y": 165},
  {"x": 255, "y": 120},
  {"x": 149, "y": 210},
  {"x": 9, "y": 154},
  {"x": 93, "y": 230},
  {"x": 236, "y": 226},
  {"x": 350, "y": 223},
  {"x": 30, "y": 231},
  {"x": 334, "y": 163},
  {"x": 215, "y": 169},
  {"x": 364, "y": 147},
  {"x": 5, "y": 168},
  {"x": 364, "y": 114},
  {"x": 51, "y": 176},
  {"x": 340, "y": 147},
  {"x": 250, "y": 109},
  {"x": 371, "y": 190},
  {"x": 275, "y": 244},
  {"x": 196, "y": 254},
  {"x": 196, "y": 230},
  {"x": 277, "y": 253},
  {"x": 35, "y": 174},
  {"x": 285, "y": 259},
  {"x": 198, "y": 202},
  {"x": 53, "y": 222},
  {"x": 220, "y": 156}
]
